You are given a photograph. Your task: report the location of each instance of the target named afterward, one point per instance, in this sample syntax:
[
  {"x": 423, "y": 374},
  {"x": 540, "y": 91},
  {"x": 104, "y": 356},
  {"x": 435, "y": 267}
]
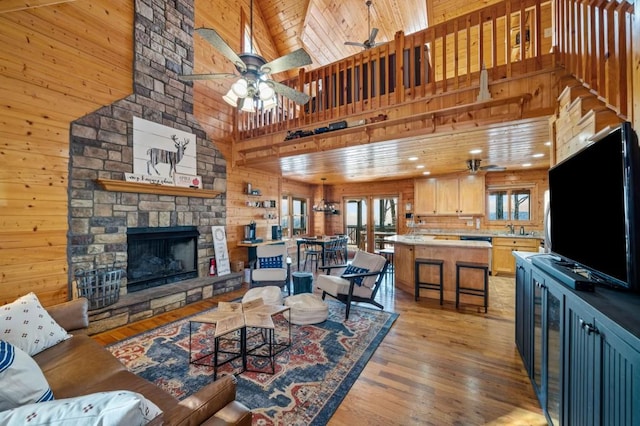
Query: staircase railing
[{"x": 593, "y": 40}]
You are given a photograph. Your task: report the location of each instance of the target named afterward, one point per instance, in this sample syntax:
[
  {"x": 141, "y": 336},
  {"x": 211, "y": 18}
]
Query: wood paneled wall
[{"x": 58, "y": 63}]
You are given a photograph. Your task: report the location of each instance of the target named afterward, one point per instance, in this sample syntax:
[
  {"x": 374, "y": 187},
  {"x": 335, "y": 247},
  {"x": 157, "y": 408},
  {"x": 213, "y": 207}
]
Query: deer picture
[{"x": 158, "y": 155}]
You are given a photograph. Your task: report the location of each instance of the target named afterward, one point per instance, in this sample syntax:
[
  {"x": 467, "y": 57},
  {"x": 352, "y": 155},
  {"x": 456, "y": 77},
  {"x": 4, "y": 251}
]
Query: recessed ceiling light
[
  {"x": 475, "y": 151},
  {"x": 538, "y": 155},
  {"x": 426, "y": 173},
  {"x": 526, "y": 165},
  {"x": 547, "y": 144},
  {"x": 420, "y": 166},
  {"x": 413, "y": 158}
]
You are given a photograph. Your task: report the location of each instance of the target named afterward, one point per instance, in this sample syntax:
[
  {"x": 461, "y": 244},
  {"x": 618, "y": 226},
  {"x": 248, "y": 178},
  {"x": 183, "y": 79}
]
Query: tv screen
[{"x": 594, "y": 206}]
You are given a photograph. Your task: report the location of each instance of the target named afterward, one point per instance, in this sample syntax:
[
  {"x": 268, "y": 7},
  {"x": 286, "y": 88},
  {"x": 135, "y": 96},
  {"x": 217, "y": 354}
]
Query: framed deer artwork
[{"x": 162, "y": 153}]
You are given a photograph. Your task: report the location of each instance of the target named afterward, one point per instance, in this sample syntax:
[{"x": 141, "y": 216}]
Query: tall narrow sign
[{"x": 220, "y": 249}]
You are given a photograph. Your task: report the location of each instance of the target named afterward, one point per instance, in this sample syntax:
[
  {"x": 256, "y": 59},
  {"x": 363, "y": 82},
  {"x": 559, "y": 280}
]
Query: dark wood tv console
[{"x": 580, "y": 348}]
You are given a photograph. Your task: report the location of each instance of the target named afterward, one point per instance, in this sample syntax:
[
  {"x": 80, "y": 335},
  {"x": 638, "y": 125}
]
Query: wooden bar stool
[
  {"x": 473, "y": 291},
  {"x": 427, "y": 285}
]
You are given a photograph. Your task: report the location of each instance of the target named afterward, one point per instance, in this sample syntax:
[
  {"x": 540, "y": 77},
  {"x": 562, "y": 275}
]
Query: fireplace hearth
[{"x": 161, "y": 255}]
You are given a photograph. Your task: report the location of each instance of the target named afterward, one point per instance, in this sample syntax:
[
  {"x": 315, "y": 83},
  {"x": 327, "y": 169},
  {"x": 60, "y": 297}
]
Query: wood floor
[{"x": 436, "y": 366}]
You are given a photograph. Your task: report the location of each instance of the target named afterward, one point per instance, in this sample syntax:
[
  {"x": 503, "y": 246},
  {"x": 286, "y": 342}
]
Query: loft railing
[
  {"x": 509, "y": 39},
  {"x": 594, "y": 44}
]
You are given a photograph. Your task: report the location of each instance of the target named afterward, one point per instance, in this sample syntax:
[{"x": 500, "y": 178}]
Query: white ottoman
[
  {"x": 271, "y": 295},
  {"x": 306, "y": 308}
]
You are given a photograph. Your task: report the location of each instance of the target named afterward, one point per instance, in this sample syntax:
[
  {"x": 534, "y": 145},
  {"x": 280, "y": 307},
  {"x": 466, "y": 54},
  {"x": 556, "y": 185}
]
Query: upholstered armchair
[
  {"x": 358, "y": 282},
  {"x": 272, "y": 266}
]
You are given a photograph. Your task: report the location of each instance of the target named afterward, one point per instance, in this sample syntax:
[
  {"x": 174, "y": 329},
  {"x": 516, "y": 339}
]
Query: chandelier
[{"x": 323, "y": 205}]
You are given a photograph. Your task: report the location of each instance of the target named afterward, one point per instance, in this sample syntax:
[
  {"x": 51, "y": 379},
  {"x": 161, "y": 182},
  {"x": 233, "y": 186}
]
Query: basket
[{"x": 100, "y": 286}]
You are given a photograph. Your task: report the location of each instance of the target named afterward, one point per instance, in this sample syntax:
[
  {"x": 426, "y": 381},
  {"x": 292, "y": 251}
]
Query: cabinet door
[
  {"x": 424, "y": 196},
  {"x": 471, "y": 195},
  {"x": 447, "y": 196},
  {"x": 403, "y": 268},
  {"x": 524, "y": 303},
  {"x": 603, "y": 387},
  {"x": 502, "y": 261}
]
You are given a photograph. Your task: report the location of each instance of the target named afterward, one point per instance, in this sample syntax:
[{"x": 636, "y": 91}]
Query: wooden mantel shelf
[{"x": 147, "y": 188}]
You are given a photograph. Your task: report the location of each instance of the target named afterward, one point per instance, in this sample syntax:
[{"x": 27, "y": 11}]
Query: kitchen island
[{"x": 410, "y": 247}]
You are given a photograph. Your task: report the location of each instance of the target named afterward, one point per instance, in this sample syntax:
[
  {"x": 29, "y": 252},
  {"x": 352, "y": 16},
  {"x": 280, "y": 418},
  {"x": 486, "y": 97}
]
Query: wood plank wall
[{"x": 58, "y": 63}]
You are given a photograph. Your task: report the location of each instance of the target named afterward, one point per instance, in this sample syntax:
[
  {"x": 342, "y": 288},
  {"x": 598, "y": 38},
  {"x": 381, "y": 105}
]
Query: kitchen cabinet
[
  {"x": 424, "y": 196},
  {"x": 450, "y": 196},
  {"x": 502, "y": 261},
  {"x": 584, "y": 353}
]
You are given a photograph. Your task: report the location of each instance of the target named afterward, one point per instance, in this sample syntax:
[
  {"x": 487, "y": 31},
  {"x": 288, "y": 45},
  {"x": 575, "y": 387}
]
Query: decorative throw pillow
[
  {"x": 28, "y": 326},
  {"x": 21, "y": 378},
  {"x": 115, "y": 408},
  {"x": 271, "y": 262},
  {"x": 355, "y": 270}
]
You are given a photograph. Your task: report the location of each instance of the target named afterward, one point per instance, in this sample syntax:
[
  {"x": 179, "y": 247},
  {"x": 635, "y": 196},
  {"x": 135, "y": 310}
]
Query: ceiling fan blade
[
  {"x": 216, "y": 41},
  {"x": 297, "y": 58},
  {"x": 215, "y": 76},
  {"x": 293, "y": 94},
  {"x": 354, "y": 43},
  {"x": 372, "y": 37},
  {"x": 493, "y": 168}
]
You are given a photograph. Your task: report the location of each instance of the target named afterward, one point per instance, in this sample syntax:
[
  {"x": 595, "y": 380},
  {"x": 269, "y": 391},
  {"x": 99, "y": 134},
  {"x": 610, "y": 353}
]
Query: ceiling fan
[
  {"x": 371, "y": 41},
  {"x": 473, "y": 165},
  {"x": 254, "y": 87}
]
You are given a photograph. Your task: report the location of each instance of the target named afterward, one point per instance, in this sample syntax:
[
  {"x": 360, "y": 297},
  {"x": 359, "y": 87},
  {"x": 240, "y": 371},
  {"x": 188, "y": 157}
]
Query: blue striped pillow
[{"x": 28, "y": 384}]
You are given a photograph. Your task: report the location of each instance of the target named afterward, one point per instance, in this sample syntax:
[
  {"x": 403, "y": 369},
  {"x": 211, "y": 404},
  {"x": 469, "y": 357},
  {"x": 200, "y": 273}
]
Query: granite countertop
[
  {"x": 478, "y": 233},
  {"x": 429, "y": 240}
]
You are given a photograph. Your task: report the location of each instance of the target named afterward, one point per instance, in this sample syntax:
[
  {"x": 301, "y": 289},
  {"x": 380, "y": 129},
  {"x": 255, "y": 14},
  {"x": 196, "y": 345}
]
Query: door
[{"x": 369, "y": 220}]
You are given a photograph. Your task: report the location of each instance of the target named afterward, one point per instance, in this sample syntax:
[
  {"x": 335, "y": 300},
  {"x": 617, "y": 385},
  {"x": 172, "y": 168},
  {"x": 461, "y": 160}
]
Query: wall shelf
[{"x": 146, "y": 188}]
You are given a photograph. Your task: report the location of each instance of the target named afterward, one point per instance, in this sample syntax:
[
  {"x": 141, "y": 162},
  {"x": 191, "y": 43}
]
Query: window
[
  {"x": 510, "y": 204},
  {"x": 293, "y": 216}
]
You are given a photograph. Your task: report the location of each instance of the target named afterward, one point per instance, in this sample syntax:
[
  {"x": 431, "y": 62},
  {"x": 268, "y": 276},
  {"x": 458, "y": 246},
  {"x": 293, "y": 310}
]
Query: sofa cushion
[
  {"x": 103, "y": 409},
  {"x": 355, "y": 270},
  {"x": 21, "y": 378},
  {"x": 28, "y": 326}
]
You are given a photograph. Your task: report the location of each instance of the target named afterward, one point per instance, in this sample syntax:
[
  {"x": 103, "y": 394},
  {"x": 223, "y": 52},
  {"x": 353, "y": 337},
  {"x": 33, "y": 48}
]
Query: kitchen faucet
[{"x": 511, "y": 228}]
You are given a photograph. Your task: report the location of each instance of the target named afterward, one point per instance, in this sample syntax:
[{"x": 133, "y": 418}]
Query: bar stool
[
  {"x": 427, "y": 285},
  {"x": 388, "y": 254},
  {"x": 480, "y": 292}
]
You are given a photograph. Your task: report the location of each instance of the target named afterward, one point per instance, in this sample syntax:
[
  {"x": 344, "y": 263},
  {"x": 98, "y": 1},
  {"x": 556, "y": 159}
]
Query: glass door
[
  {"x": 369, "y": 219},
  {"x": 356, "y": 222}
]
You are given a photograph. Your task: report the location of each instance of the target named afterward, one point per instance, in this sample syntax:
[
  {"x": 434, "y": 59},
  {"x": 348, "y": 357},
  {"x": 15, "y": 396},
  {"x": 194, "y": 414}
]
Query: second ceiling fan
[{"x": 373, "y": 32}]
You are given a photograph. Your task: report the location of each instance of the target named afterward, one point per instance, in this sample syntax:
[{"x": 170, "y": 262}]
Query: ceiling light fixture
[
  {"x": 252, "y": 91},
  {"x": 325, "y": 206}
]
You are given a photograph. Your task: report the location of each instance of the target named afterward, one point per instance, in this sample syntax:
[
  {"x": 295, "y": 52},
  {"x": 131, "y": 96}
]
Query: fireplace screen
[{"x": 163, "y": 255}]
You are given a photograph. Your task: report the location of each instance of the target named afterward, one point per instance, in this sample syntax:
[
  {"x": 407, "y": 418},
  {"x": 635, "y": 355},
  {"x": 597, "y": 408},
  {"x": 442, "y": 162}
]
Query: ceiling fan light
[
  {"x": 265, "y": 91},
  {"x": 269, "y": 103},
  {"x": 248, "y": 105},
  {"x": 240, "y": 88},
  {"x": 231, "y": 98}
]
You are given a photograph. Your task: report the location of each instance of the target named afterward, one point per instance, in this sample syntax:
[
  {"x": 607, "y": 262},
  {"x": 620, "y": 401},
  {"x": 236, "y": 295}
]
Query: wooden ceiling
[{"x": 321, "y": 27}]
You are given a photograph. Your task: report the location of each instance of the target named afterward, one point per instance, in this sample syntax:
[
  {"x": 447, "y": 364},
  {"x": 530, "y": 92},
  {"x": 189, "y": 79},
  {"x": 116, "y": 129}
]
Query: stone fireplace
[
  {"x": 101, "y": 148},
  {"x": 163, "y": 255}
]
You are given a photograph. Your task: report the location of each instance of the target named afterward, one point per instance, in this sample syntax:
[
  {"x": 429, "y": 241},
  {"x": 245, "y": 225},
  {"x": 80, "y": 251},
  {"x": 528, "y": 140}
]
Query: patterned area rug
[{"x": 311, "y": 377}]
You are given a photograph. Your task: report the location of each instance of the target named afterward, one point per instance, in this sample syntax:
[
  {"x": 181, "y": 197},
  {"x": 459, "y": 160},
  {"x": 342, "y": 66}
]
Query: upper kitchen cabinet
[{"x": 450, "y": 196}]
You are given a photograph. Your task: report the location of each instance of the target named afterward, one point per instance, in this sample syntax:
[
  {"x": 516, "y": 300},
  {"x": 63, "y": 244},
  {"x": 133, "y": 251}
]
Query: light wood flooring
[{"x": 436, "y": 366}]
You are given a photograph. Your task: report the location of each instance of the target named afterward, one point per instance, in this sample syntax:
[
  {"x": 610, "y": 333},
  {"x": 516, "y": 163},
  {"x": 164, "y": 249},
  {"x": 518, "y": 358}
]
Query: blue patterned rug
[{"x": 311, "y": 377}]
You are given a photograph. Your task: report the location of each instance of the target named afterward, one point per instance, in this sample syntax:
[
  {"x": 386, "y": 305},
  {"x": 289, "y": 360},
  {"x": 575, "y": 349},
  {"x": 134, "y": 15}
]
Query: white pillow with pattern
[
  {"x": 115, "y": 408},
  {"x": 28, "y": 326}
]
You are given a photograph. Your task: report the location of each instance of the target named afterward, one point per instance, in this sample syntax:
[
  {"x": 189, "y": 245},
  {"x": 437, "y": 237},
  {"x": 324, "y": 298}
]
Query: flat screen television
[{"x": 594, "y": 209}]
